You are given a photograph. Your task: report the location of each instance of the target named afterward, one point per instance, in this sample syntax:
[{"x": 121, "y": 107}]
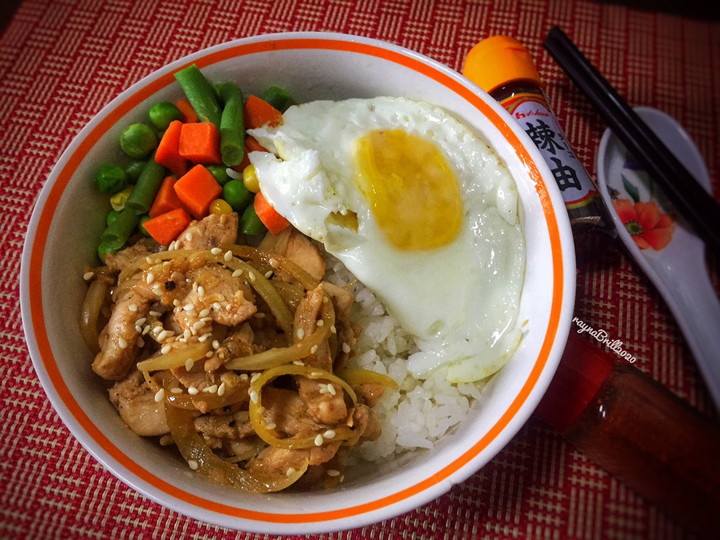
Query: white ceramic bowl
[{"x": 69, "y": 216}]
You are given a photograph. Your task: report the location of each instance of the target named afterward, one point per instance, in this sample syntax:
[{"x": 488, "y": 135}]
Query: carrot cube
[
  {"x": 167, "y": 227},
  {"x": 200, "y": 143},
  {"x": 168, "y": 150},
  {"x": 196, "y": 189}
]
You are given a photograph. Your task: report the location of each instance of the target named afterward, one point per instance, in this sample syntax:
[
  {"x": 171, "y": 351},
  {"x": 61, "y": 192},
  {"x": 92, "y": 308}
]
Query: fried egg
[{"x": 419, "y": 208}]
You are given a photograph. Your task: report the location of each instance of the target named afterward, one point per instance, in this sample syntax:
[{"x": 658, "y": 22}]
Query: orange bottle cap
[{"x": 498, "y": 60}]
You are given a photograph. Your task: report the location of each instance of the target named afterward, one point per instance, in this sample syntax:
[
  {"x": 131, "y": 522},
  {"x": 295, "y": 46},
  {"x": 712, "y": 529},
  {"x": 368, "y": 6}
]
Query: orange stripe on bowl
[{"x": 132, "y": 101}]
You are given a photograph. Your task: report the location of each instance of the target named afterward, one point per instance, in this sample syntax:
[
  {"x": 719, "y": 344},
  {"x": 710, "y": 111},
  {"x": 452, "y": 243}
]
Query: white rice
[{"x": 421, "y": 411}]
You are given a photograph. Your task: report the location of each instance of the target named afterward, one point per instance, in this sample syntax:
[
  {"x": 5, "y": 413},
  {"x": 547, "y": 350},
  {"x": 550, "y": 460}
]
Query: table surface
[{"x": 62, "y": 61}]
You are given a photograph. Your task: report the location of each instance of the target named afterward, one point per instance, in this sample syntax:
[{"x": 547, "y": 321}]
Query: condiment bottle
[
  {"x": 504, "y": 68},
  {"x": 638, "y": 431}
]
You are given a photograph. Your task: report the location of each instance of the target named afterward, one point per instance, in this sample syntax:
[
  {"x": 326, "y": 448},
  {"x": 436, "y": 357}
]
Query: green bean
[
  {"x": 147, "y": 186},
  {"x": 134, "y": 168},
  {"x": 278, "y": 98},
  {"x": 232, "y": 129},
  {"x": 116, "y": 234},
  {"x": 162, "y": 113},
  {"x": 138, "y": 140},
  {"x": 200, "y": 94}
]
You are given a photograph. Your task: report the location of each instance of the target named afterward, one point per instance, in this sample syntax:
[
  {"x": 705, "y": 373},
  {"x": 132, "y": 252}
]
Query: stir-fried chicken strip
[
  {"x": 210, "y": 232},
  {"x": 137, "y": 406},
  {"x": 325, "y": 402},
  {"x": 294, "y": 245}
]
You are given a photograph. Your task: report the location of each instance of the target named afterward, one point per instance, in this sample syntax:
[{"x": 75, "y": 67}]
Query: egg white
[{"x": 459, "y": 301}]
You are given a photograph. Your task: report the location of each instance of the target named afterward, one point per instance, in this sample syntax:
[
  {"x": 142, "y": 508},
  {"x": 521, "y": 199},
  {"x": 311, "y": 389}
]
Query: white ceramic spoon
[{"x": 678, "y": 270}]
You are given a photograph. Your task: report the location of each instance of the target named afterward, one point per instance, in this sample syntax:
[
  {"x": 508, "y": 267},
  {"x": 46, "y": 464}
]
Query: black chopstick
[{"x": 698, "y": 208}]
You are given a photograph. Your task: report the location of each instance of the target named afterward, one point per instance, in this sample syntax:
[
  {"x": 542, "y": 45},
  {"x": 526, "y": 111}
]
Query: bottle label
[{"x": 532, "y": 113}]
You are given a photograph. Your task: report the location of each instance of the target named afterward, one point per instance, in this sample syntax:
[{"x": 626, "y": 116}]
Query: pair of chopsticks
[{"x": 691, "y": 200}]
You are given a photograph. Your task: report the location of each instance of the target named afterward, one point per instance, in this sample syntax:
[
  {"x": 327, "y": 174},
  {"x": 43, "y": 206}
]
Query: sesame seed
[
  {"x": 217, "y": 305},
  {"x": 189, "y": 307},
  {"x": 251, "y": 275},
  {"x": 205, "y": 312},
  {"x": 173, "y": 245},
  {"x": 333, "y": 329},
  {"x": 345, "y": 348},
  {"x": 141, "y": 321},
  {"x": 313, "y": 349},
  {"x": 189, "y": 363},
  {"x": 138, "y": 329},
  {"x": 331, "y": 389},
  {"x": 319, "y": 440},
  {"x": 146, "y": 329},
  {"x": 332, "y": 472},
  {"x": 154, "y": 313},
  {"x": 237, "y": 273},
  {"x": 163, "y": 335},
  {"x": 193, "y": 391},
  {"x": 290, "y": 471},
  {"x": 320, "y": 322},
  {"x": 201, "y": 290},
  {"x": 244, "y": 377},
  {"x": 193, "y": 464},
  {"x": 329, "y": 434},
  {"x": 165, "y": 349},
  {"x": 298, "y": 362},
  {"x": 150, "y": 278},
  {"x": 215, "y": 344},
  {"x": 228, "y": 256},
  {"x": 268, "y": 274},
  {"x": 159, "y": 395},
  {"x": 211, "y": 389},
  {"x": 133, "y": 307},
  {"x": 148, "y": 259},
  {"x": 255, "y": 377},
  {"x": 221, "y": 389},
  {"x": 205, "y": 337},
  {"x": 87, "y": 276},
  {"x": 176, "y": 303},
  {"x": 198, "y": 325},
  {"x": 186, "y": 334},
  {"x": 254, "y": 396},
  {"x": 209, "y": 354},
  {"x": 176, "y": 390},
  {"x": 271, "y": 425},
  {"x": 122, "y": 343},
  {"x": 273, "y": 262},
  {"x": 157, "y": 289},
  {"x": 323, "y": 389},
  {"x": 216, "y": 251},
  {"x": 188, "y": 236},
  {"x": 300, "y": 333},
  {"x": 259, "y": 315}
]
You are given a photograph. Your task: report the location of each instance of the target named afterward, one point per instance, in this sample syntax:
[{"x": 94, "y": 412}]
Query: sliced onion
[
  {"x": 176, "y": 358},
  {"x": 355, "y": 376},
  {"x": 342, "y": 433},
  {"x": 279, "y": 356},
  {"x": 205, "y": 462},
  {"x": 90, "y": 314}
]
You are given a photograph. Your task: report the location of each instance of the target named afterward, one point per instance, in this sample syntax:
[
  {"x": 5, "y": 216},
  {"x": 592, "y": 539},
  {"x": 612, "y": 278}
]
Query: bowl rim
[{"x": 388, "y": 505}]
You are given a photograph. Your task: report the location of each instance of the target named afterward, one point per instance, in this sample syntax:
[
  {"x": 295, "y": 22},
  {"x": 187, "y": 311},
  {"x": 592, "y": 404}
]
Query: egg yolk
[{"x": 413, "y": 194}]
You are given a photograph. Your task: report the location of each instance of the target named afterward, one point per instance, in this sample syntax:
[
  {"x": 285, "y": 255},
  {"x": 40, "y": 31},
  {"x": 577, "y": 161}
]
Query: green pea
[
  {"x": 219, "y": 172},
  {"x": 111, "y": 178},
  {"x": 138, "y": 140},
  {"x": 111, "y": 217},
  {"x": 250, "y": 223},
  {"x": 162, "y": 113},
  {"x": 236, "y": 194}
]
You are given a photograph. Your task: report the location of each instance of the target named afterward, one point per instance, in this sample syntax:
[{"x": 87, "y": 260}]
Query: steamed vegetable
[
  {"x": 166, "y": 227},
  {"x": 200, "y": 94},
  {"x": 197, "y": 189},
  {"x": 138, "y": 140},
  {"x": 232, "y": 129},
  {"x": 200, "y": 143}
]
